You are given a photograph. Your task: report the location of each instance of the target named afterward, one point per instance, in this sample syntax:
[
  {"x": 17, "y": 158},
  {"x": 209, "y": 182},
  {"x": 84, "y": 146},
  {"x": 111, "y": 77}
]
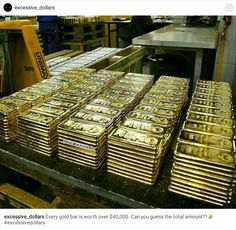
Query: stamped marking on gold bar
[
  {"x": 60, "y": 103},
  {"x": 12, "y": 101},
  {"x": 77, "y": 126},
  {"x": 209, "y": 128},
  {"x": 207, "y": 153},
  {"x": 140, "y": 125},
  {"x": 210, "y": 119},
  {"x": 26, "y": 96},
  {"x": 222, "y": 112},
  {"x": 142, "y": 115},
  {"x": 212, "y": 104},
  {"x": 152, "y": 109},
  {"x": 136, "y": 137},
  {"x": 160, "y": 103},
  {"x": 34, "y": 116},
  {"x": 85, "y": 115},
  {"x": 115, "y": 97},
  {"x": 49, "y": 110},
  {"x": 213, "y": 91},
  {"x": 101, "y": 109},
  {"x": 115, "y": 104},
  {"x": 207, "y": 139},
  {"x": 4, "y": 108},
  {"x": 79, "y": 145},
  {"x": 212, "y": 97}
]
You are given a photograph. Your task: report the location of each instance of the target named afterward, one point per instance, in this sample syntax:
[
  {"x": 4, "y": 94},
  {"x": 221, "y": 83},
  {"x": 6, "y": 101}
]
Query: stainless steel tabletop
[{"x": 180, "y": 36}]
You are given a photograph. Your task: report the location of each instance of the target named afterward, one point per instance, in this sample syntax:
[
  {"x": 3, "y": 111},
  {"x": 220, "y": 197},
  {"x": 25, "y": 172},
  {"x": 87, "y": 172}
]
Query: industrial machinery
[{"x": 24, "y": 61}]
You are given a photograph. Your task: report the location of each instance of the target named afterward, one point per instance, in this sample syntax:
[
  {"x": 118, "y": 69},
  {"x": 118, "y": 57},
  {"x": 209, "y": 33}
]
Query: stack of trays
[
  {"x": 204, "y": 161},
  {"x": 83, "y": 138},
  {"x": 136, "y": 149},
  {"x": 55, "y": 110},
  {"x": 10, "y": 108}
]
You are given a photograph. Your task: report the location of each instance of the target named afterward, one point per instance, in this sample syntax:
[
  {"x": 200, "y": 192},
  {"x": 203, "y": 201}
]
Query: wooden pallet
[
  {"x": 86, "y": 45},
  {"x": 74, "y": 36},
  {"x": 83, "y": 28},
  {"x": 86, "y": 35}
]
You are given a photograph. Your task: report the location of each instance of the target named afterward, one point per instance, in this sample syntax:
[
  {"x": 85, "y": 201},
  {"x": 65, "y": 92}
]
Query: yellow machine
[{"x": 24, "y": 62}]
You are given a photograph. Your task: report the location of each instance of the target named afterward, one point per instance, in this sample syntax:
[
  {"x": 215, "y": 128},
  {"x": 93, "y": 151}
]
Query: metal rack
[{"x": 98, "y": 187}]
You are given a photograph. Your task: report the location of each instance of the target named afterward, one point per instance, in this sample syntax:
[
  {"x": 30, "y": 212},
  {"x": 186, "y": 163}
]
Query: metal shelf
[{"x": 113, "y": 190}]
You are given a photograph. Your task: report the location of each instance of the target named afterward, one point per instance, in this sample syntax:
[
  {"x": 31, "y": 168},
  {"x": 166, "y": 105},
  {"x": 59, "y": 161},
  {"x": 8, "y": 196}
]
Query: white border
[{"x": 125, "y": 7}]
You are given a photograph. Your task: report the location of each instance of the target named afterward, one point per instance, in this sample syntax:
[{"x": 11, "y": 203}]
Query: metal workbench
[
  {"x": 112, "y": 190},
  {"x": 182, "y": 38}
]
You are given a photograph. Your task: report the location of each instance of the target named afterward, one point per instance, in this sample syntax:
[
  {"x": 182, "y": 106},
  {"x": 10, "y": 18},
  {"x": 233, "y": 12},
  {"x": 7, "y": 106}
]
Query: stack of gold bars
[
  {"x": 204, "y": 160},
  {"x": 23, "y": 100},
  {"x": 66, "y": 79},
  {"x": 89, "y": 88},
  {"x": 83, "y": 137},
  {"x": 10, "y": 107},
  {"x": 38, "y": 126},
  {"x": 136, "y": 148}
]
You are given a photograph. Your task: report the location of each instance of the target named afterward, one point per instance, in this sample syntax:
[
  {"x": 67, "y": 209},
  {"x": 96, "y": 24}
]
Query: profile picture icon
[{"x": 7, "y": 7}]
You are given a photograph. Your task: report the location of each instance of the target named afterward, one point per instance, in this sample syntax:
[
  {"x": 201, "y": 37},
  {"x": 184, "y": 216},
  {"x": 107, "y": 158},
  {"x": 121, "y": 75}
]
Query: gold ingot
[
  {"x": 210, "y": 140},
  {"x": 209, "y": 128},
  {"x": 82, "y": 127},
  {"x": 206, "y": 154},
  {"x": 210, "y": 119},
  {"x": 219, "y": 112},
  {"x": 142, "y": 115},
  {"x": 144, "y": 126}
]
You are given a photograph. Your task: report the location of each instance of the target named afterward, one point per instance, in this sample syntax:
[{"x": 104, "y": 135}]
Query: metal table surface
[
  {"x": 118, "y": 191},
  {"x": 182, "y": 38}
]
